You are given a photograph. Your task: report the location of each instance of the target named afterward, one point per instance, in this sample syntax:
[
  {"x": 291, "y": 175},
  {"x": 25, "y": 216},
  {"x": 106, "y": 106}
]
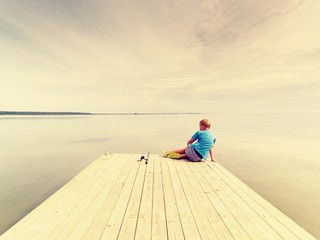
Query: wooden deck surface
[{"x": 118, "y": 197}]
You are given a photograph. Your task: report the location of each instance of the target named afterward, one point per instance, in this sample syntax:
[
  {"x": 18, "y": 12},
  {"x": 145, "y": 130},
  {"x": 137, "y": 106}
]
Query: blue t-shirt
[{"x": 205, "y": 140}]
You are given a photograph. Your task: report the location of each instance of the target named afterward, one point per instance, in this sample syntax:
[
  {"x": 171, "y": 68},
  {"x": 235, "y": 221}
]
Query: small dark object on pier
[{"x": 144, "y": 158}]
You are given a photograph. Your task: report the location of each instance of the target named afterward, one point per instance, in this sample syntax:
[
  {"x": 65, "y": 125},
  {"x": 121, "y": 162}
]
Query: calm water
[{"x": 277, "y": 156}]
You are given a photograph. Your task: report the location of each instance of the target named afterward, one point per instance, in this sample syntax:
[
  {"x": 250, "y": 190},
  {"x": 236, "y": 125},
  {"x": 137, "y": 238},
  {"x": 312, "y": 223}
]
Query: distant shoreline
[
  {"x": 26, "y": 113},
  {"x": 32, "y": 113}
]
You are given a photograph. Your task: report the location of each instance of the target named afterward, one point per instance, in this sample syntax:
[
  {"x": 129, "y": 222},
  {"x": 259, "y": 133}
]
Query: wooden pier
[{"x": 118, "y": 197}]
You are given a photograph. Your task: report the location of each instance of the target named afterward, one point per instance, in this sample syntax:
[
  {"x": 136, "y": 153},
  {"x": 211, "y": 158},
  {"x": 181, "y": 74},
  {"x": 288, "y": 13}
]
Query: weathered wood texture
[{"x": 118, "y": 197}]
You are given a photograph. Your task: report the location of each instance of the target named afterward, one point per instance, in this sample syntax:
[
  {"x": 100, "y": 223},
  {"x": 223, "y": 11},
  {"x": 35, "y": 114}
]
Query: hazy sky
[{"x": 160, "y": 55}]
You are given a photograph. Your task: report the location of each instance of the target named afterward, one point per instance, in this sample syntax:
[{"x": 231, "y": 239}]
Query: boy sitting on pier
[{"x": 198, "y": 147}]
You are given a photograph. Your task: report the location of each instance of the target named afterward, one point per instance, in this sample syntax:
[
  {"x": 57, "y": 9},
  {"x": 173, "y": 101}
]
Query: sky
[{"x": 216, "y": 56}]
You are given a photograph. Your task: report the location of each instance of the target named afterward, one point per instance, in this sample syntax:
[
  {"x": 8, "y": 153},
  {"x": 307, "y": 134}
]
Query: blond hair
[{"x": 205, "y": 123}]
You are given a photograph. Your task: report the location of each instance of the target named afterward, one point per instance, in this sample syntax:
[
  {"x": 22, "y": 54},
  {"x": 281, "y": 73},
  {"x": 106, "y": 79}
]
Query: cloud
[
  {"x": 148, "y": 54},
  {"x": 311, "y": 56}
]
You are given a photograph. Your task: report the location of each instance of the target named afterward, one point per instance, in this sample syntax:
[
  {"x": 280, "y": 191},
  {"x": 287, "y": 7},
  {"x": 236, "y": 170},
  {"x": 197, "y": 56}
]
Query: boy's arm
[
  {"x": 211, "y": 154},
  {"x": 190, "y": 141}
]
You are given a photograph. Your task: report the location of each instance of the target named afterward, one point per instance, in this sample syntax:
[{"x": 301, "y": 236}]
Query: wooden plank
[
  {"x": 129, "y": 223},
  {"x": 115, "y": 221},
  {"x": 144, "y": 223},
  {"x": 74, "y": 206},
  {"x": 218, "y": 204},
  {"x": 249, "y": 219},
  {"x": 286, "y": 227},
  {"x": 92, "y": 190},
  {"x": 189, "y": 226},
  {"x": 265, "y": 215},
  {"x": 214, "y": 219},
  {"x": 195, "y": 203},
  {"x": 174, "y": 227},
  {"x": 219, "y": 190},
  {"x": 82, "y": 222},
  {"x": 53, "y": 208},
  {"x": 159, "y": 227},
  {"x": 100, "y": 222}
]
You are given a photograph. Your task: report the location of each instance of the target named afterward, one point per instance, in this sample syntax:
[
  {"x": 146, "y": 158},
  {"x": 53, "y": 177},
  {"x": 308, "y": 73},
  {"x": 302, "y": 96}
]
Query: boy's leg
[
  {"x": 181, "y": 151},
  {"x": 176, "y": 154},
  {"x": 183, "y": 156}
]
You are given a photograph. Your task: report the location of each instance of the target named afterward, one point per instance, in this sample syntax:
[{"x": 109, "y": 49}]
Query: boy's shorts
[{"x": 192, "y": 154}]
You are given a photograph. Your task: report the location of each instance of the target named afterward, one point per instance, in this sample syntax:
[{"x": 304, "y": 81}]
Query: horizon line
[{"x": 88, "y": 113}]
